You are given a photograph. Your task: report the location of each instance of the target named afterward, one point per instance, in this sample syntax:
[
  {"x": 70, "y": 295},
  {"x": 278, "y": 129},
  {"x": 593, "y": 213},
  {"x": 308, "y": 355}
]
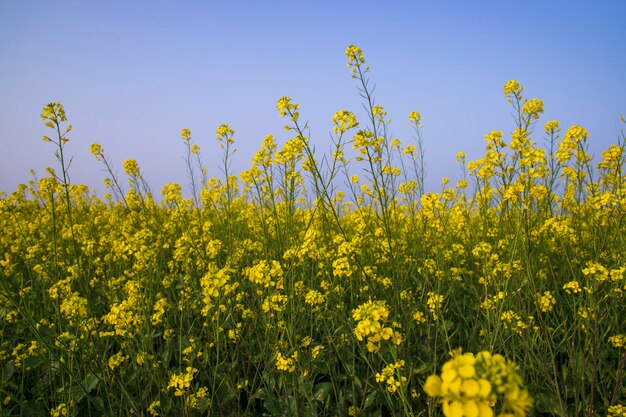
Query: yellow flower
[
  {"x": 551, "y": 127},
  {"x": 415, "y": 117},
  {"x": 432, "y": 386},
  {"x": 53, "y": 111},
  {"x": 130, "y": 167},
  {"x": 96, "y": 150},
  {"x": 546, "y": 301},
  {"x": 434, "y": 303},
  {"x": 572, "y": 287},
  {"x": 344, "y": 120},
  {"x": 316, "y": 351},
  {"x": 287, "y": 364},
  {"x": 512, "y": 87},
  {"x": 354, "y": 55},
  {"x": 286, "y": 107},
  {"x": 390, "y": 376},
  {"x": 225, "y": 134},
  {"x": 181, "y": 382},
  {"x": 616, "y": 410},
  {"x": 533, "y": 107},
  {"x": 618, "y": 341},
  {"x": 419, "y": 317},
  {"x": 469, "y": 385},
  {"x": 185, "y": 135},
  {"x": 60, "y": 411},
  {"x": 152, "y": 409},
  {"x": 314, "y": 298}
]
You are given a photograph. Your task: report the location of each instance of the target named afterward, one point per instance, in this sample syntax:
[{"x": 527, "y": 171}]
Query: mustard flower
[
  {"x": 533, "y": 107},
  {"x": 153, "y": 408},
  {"x": 181, "y": 382},
  {"x": 96, "y": 150},
  {"x": 546, "y": 301},
  {"x": 552, "y": 127},
  {"x": 59, "y": 411},
  {"x": 513, "y": 87},
  {"x": 131, "y": 167},
  {"x": 354, "y": 54},
  {"x": 434, "y": 303},
  {"x": 572, "y": 287},
  {"x": 286, "y": 107},
  {"x": 470, "y": 386},
  {"x": 616, "y": 411},
  {"x": 225, "y": 134},
  {"x": 343, "y": 121},
  {"x": 618, "y": 341},
  {"x": 416, "y": 118},
  {"x": 287, "y": 364},
  {"x": 389, "y": 376},
  {"x": 314, "y": 298}
]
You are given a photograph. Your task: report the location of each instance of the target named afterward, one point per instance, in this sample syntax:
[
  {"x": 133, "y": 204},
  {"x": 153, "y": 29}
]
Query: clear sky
[{"x": 132, "y": 74}]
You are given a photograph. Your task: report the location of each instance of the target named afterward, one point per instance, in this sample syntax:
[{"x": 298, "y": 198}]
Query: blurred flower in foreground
[{"x": 472, "y": 386}]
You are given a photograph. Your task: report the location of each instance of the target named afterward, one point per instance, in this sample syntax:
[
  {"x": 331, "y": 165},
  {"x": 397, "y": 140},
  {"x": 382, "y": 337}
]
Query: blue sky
[{"x": 132, "y": 74}]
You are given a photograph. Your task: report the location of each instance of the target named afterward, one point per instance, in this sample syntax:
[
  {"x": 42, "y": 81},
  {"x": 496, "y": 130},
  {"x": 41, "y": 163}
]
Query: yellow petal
[
  {"x": 470, "y": 409},
  {"x": 432, "y": 386},
  {"x": 470, "y": 387}
]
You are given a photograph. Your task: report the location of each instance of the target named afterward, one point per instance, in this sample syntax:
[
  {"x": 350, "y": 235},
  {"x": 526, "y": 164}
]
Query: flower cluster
[
  {"x": 354, "y": 54},
  {"x": 371, "y": 317},
  {"x": 211, "y": 284},
  {"x": 533, "y": 108},
  {"x": 266, "y": 275},
  {"x": 415, "y": 118},
  {"x": 435, "y": 304},
  {"x": 616, "y": 411},
  {"x": 389, "y": 375},
  {"x": 512, "y": 87},
  {"x": 286, "y": 108},
  {"x": 343, "y": 121},
  {"x": 618, "y": 341},
  {"x": 286, "y": 363},
  {"x": 180, "y": 382},
  {"x": 546, "y": 301},
  {"x": 572, "y": 287},
  {"x": 471, "y": 386}
]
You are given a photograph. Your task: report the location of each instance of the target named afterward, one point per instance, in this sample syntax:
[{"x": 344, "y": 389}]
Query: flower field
[{"x": 322, "y": 283}]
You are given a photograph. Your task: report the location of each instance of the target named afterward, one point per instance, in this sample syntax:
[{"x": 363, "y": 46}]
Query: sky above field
[{"x": 132, "y": 74}]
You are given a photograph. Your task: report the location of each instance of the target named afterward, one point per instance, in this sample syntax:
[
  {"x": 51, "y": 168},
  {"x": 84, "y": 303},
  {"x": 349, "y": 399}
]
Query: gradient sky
[{"x": 132, "y": 74}]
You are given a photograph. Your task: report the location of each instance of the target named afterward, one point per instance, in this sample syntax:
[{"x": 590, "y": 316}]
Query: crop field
[{"x": 322, "y": 283}]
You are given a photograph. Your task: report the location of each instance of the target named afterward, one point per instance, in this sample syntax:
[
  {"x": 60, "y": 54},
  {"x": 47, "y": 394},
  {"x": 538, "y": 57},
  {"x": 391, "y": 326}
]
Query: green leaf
[
  {"x": 376, "y": 413},
  {"x": 261, "y": 394},
  {"x": 91, "y": 381},
  {"x": 309, "y": 411},
  {"x": 370, "y": 399},
  {"x": 9, "y": 368},
  {"x": 167, "y": 354},
  {"x": 547, "y": 403},
  {"x": 293, "y": 405},
  {"x": 423, "y": 368},
  {"x": 578, "y": 364},
  {"x": 271, "y": 405},
  {"x": 33, "y": 408},
  {"x": 34, "y": 362},
  {"x": 80, "y": 391},
  {"x": 321, "y": 391}
]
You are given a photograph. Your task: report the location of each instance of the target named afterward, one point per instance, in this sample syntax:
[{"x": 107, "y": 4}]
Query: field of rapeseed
[{"x": 322, "y": 284}]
